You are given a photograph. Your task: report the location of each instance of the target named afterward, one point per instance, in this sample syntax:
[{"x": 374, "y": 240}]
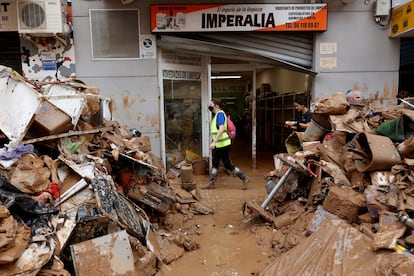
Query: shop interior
[{"x": 275, "y": 91}]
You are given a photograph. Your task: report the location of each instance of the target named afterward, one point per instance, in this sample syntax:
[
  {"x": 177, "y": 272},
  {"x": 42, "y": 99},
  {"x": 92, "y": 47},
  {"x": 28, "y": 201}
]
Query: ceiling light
[{"x": 225, "y": 77}]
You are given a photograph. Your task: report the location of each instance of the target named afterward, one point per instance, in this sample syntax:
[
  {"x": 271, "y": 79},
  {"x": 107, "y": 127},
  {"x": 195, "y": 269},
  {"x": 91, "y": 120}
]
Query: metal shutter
[{"x": 286, "y": 49}]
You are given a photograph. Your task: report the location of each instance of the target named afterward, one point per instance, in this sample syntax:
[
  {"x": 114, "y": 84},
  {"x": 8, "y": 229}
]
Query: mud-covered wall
[
  {"x": 132, "y": 84},
  {"x": 365, "y": 57}
]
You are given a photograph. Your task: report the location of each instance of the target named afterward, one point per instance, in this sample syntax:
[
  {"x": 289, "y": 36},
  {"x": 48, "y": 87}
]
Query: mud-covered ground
[{"x": 230, "y": 243}]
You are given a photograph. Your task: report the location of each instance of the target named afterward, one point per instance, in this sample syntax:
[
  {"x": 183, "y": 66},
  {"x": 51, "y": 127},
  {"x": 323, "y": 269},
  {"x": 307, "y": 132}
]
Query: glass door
[{"x": 182, "y": 119}]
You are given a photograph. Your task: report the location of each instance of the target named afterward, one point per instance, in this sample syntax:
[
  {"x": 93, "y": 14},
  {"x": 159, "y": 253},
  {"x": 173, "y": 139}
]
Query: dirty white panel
[
  {"x": 68, "y": 100},
  {"x": 135, "y": 104},
  {"x": 18, "y": 104},
  {"x": 106, "y": 255}
]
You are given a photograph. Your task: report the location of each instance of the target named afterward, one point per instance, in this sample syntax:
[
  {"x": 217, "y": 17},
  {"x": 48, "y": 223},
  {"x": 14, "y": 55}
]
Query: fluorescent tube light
[{"x": 224, "y": 77}]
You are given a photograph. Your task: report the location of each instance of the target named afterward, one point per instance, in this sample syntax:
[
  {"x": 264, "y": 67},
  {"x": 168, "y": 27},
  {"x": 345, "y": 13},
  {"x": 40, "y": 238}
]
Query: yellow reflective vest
[{"x": 224, "y": 138}]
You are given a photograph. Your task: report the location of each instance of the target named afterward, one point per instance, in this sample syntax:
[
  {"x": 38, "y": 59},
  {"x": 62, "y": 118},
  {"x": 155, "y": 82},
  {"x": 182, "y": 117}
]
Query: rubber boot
[
  {"x": 212, "y": 181},
  {"x": 242, "y": 176}
]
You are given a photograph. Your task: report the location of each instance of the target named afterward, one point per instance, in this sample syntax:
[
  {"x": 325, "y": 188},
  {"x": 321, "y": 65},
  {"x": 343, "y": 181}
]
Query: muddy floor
[{"x": 230, "y": 244}]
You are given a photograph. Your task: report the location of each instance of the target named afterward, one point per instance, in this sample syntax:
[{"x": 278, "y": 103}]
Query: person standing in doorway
[
  {"x": 220, "y": 146},
  {"x": 303, "y": 120}
]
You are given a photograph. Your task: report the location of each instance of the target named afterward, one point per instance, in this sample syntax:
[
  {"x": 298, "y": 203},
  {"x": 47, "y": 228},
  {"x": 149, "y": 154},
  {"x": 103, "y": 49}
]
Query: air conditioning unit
[{"x": 41, "y": 16}]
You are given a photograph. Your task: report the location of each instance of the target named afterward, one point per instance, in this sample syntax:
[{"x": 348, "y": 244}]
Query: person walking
[{"x": 220, "y": 146}]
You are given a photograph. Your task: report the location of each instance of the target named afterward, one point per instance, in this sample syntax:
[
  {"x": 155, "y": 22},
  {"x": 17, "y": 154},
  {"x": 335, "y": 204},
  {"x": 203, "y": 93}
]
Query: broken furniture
[{"x": 293, "y": 167}]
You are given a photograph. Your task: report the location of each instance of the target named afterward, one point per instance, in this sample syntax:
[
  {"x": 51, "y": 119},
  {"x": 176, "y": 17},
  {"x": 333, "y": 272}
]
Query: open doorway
[
  {"x": 234, "y": 89},
  {"x": 233, "y": 81},
  {"x": 259, "y": 98}
]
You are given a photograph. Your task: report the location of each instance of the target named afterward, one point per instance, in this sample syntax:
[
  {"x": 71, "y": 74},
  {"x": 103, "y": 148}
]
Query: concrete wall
[{"x": 366, "y": 58}]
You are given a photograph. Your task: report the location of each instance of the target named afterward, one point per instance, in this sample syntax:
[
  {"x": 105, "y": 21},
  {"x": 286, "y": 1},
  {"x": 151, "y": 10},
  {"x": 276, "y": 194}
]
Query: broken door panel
[{"x": 18, "y": 104}]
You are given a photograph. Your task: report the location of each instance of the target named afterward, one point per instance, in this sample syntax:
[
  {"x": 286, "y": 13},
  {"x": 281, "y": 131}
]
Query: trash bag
[
  {"x": 11, "y": 197},
  {"x": 398, "y": 129},
  {"x": 34, "y": 214}
]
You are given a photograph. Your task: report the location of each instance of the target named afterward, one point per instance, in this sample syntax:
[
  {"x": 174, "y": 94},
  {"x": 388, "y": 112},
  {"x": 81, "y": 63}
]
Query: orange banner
[{"x": 239, "y": 17}]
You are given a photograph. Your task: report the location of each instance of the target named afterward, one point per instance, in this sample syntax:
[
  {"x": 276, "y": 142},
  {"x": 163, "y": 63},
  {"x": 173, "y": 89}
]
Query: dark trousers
[{"x": 222, "y": 154}]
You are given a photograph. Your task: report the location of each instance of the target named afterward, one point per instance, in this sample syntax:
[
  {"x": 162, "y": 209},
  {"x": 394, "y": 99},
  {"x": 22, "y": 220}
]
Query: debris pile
[
  {"x": 342, "y": 198},
  {"x": 79, "y": 193}
]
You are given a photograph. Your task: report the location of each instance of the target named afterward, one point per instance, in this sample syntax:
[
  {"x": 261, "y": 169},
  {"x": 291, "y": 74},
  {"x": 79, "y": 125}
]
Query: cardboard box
[{"x": 50, "y": 120}]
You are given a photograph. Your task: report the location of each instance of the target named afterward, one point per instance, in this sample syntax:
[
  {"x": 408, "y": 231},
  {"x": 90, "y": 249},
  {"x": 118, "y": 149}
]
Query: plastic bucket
[
  {"x": 294, "y": 142},
  {"x": 322, "y": 119}
]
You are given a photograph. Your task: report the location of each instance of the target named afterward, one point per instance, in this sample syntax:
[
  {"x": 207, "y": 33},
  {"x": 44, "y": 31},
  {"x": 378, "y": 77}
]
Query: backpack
[{"x": 231, "y": 128}]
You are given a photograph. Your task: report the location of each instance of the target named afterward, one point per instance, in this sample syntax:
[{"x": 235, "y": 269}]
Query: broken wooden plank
[{"x": 66, "y": 134}]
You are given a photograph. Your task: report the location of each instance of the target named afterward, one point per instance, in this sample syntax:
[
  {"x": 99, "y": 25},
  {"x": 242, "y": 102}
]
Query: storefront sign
[
  {"x": 239, "y": 17},
  {"x": 402, "y": 21},
  {"x": 180, "y": 75},
  {"x": 8, "y": 18},
  {"x": 171, "y": 57}
]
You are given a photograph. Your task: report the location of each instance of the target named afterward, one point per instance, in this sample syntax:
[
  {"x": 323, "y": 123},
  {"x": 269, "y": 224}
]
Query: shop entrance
[
  {"x": 278, "y": 61},
  {"x": 232, "y": 81}
]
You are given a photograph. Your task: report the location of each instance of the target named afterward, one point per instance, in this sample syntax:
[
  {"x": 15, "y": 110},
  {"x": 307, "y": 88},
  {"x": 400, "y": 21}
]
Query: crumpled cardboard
[
  {"x": 14, "y": 237},
  {"x": 352, "y": 121},
  {"x": 336, "y": 104},
  {"x": 30, "y": 174}
]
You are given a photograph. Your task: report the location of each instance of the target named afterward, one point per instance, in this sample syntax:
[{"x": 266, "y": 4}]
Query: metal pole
[
  {"x": 407, "y": 103},
  {"x": 276, "y": 188}
]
